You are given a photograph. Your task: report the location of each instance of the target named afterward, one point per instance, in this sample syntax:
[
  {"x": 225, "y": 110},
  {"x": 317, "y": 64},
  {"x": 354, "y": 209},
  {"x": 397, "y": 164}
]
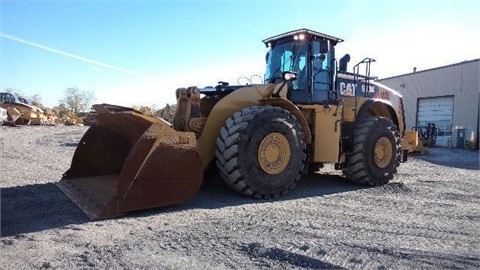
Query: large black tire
[
  {"x": 376, "y": 152},
  {"x": 261, "y": 151}
]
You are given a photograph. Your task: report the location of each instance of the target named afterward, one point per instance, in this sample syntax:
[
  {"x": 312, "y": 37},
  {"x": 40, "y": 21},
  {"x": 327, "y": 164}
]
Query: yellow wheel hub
[
  {"x": 383, "y": 152},
  {"x": 274, "y": 153}
]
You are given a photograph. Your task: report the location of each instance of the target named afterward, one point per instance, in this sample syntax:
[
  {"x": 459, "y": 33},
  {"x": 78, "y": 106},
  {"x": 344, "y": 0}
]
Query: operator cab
[{"x": 311, "y": 56}]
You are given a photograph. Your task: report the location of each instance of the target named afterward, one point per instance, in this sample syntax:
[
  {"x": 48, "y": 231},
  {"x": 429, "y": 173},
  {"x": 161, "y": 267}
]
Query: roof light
[
  {"x": 304, "y": 31},
  {"x": 299, "y": 37}
]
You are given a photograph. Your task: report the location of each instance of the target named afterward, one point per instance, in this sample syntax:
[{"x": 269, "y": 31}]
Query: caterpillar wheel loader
[{"x": 261, "y": 138}]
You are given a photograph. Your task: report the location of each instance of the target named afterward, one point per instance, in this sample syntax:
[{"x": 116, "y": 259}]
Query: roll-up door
[{"x": 438, "y": 110}]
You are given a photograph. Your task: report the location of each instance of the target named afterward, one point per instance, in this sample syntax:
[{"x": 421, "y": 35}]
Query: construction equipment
[
  {"x": 420, "y": 137},
  {"x": 427, "y": 134},
  {"x": 261, "y": 138},
  {"x": 20, "y": 113},
  {"x": 37, "y": 116},
  {"x": 412, "y": 143},
  {"x": 3, "y": 115}
]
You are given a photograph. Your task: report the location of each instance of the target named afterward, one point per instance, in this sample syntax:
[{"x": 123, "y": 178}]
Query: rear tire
[
  {"x": 376, "y": 152},
  {"x": 261, "y": 151}
]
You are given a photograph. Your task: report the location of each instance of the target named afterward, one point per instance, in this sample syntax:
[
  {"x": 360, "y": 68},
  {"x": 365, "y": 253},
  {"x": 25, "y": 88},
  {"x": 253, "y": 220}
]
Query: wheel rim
[
  {"x": 383, "y": 152},
  {"x": 274, "y": 153}
]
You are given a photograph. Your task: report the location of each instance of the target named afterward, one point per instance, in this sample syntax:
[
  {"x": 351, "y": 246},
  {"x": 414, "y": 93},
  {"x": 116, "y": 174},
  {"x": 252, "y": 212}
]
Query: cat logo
[{"x": 347, "y": 89}]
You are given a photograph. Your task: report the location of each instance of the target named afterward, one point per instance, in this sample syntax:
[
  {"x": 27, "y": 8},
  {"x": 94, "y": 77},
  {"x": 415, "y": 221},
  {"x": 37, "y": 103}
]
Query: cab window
[
  {"x": 6, "y": 97},
  {"x": 322, "y": 56}
]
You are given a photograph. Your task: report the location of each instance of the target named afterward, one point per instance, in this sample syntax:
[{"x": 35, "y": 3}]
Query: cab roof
[{"x": 306, "y": 31}]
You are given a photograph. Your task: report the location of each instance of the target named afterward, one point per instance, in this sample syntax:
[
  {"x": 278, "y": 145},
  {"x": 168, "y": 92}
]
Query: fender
[
  {"x": 237, "y": 100},
  {"x": 380, "y": 107},
  {"x": 224, "y": 109}
]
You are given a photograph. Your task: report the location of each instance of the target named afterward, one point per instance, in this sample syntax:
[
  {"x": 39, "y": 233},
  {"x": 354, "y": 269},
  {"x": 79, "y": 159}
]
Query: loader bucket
[{"x": 128, "y": 161}]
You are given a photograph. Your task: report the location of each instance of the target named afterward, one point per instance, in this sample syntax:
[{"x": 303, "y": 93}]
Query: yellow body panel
[
  {"x": 349, "y": 109},
  {"x": 327, "y": 131}
]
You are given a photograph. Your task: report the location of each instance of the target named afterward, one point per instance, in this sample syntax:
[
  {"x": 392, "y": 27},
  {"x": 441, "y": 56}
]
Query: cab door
[
  {"x": 299, "y": 89},
  {"x": 321, "y": 63}
]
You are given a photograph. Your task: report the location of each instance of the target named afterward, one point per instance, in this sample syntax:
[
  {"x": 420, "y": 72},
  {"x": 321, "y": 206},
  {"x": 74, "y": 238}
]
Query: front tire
[
  {"x": 261, "y": 151},
  {"x": 376, "y": 152}
]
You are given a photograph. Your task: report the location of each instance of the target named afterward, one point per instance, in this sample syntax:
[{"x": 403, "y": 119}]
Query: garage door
[{"x": 438, "y": 110}]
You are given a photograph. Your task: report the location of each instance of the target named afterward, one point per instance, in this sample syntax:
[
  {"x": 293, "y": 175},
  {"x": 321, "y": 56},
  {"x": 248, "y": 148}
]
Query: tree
[
  {"x": 147, "y": 110},
  {"x": 167, "y": 113},
  {"x": 77, "y": 100},
  {"x": 60, "y": 110},
  {"x": 37, "y": 101},
  {"x": 17, "y": 92}
]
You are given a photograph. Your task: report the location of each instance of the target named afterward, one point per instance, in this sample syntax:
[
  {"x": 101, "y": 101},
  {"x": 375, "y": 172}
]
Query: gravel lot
[{"x": 428, "y": 217}]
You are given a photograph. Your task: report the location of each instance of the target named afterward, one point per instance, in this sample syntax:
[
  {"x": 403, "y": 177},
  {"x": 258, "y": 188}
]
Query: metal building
[{"x": 448, "y": 96}]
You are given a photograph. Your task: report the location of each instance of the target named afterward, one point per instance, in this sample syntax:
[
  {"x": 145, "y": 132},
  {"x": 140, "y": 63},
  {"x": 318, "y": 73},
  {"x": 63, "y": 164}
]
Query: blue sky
[{"x": 139, "y": 52}]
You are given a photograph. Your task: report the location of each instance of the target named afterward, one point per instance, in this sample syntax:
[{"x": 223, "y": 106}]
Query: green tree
[{"x": 77, "y": 100}]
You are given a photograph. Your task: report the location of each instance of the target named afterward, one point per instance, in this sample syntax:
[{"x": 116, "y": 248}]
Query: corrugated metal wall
[{"x": 461, "y": 80}]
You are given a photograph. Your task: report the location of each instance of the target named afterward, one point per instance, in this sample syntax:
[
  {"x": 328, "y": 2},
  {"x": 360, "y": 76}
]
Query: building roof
[{"x": 430, "y": 69}]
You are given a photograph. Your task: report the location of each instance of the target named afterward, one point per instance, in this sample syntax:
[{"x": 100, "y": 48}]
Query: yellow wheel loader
[{"x": 260, "y": 138}]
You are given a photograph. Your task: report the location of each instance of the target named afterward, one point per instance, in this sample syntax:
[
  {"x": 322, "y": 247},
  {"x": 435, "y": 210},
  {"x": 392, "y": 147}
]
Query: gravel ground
[{"x": 428, "y": 217}]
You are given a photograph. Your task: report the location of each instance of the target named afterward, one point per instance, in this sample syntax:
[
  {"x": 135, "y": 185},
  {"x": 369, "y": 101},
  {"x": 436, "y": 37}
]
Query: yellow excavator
[{"x": 261, "y": 138}]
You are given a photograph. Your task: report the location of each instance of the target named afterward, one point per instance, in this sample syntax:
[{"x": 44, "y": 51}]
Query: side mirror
[{"x": 289, "y": 76}]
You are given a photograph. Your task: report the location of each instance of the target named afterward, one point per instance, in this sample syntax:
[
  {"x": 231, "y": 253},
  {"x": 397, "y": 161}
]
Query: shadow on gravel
[
  {"x": 34, "y": 208},
  {"x": 215, "y": 194},
  {"x": 452, "y": 157}
]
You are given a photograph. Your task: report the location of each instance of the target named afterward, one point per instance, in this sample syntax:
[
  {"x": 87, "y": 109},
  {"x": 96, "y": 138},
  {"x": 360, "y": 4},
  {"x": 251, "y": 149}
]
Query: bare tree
[
  {"x": 77, "y": 100},
  {"x": 60, "y": 110},
  {"x": 37, "y": 100},
  {"x": 147, "y": 110}
]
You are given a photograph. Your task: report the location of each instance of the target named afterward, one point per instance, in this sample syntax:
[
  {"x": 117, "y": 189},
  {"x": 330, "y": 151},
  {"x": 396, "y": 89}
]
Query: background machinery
[
  {"x": 20, "y": 110},
  {"x": 427, "y": 134},
  {"x": 261, "y": 138}
]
